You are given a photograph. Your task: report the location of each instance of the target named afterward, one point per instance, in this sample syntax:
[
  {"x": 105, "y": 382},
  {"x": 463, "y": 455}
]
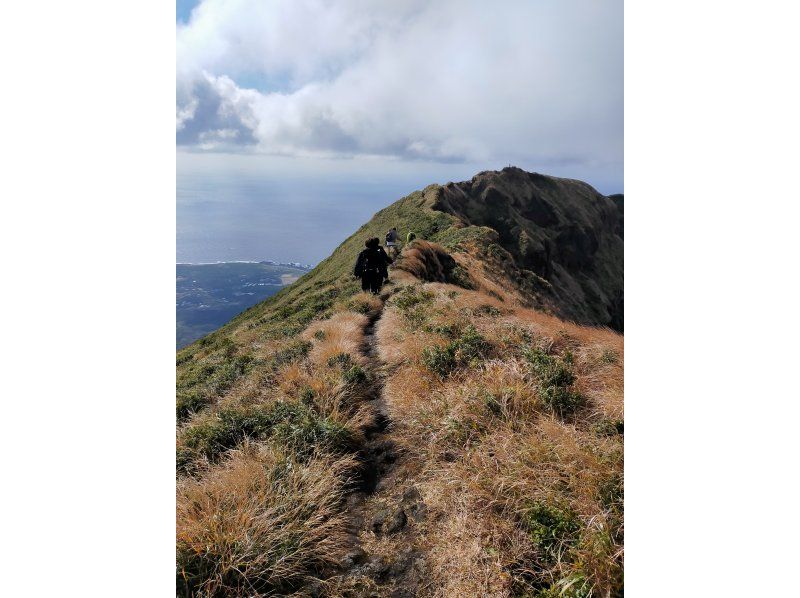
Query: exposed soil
[{"x": 386, "y": 559}]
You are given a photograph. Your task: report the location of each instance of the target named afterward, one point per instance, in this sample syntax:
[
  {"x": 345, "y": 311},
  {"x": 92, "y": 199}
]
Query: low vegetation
[
  {"x": 468, "y": 349},
  {"x": 259, "y": 522},
  {"x": 555, "y": 380},
  {"x": 510, "y": 416},
  {"x": 508, "y": 421}
]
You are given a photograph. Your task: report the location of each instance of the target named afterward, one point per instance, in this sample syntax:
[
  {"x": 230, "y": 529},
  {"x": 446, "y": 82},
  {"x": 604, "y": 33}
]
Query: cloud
[
  {"x": 454, "y": 80},
  {"x": 213, "y": 113}
]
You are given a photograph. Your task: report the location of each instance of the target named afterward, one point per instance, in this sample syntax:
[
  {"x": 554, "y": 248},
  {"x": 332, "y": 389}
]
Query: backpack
[
  {"x": 373, "y": 261},
  {"x": 369, "y": 261}
]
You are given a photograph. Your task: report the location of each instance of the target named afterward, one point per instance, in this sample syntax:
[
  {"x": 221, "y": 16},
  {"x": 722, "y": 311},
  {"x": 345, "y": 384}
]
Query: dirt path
[{"x": 386, "y": 508}]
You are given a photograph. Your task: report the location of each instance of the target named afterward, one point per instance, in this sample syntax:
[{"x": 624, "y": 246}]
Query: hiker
[
  {"x": 371, "y": 266},
  {"x": 410, "y": 237},
  {"x": 391, "y": 241}
]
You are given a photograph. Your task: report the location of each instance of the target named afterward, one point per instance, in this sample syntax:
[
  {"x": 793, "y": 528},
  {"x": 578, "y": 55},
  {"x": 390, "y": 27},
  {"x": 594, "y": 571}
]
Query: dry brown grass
[
  {"x": 398, "y": 342},
  {"x": 261, "y": 516},
  {"x": 259, "y": 522},
  {"x": 482, "y": 445},
  {"x": 486, "y": 280},
  {"x": 362, "y": 303},
  {"x": 488, "y": 450},
  {"x": 426, "y": 261},
  {"x": 342, "y": 333}
]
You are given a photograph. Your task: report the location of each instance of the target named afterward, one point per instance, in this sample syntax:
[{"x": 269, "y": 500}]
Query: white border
[{"x": 88, "y": 315}]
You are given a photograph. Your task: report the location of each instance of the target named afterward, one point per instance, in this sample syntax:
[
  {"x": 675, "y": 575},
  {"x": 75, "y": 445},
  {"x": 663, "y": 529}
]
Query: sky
[{"x": 312, "y": 114}]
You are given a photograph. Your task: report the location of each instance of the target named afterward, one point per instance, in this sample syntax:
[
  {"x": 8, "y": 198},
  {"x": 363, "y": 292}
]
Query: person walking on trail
[
  {"x": 371, "y": 266},
  {"x": 391, "y": 241},
  {"x": 410, "y": 237}
]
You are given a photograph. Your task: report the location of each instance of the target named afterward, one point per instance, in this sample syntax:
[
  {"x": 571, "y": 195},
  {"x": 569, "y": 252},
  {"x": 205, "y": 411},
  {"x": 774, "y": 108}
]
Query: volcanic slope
[{"x": 461, "y": 434}]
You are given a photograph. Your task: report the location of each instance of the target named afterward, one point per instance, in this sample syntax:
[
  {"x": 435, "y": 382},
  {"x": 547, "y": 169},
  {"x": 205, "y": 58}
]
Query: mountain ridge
[{"x": 461, "y": 433}]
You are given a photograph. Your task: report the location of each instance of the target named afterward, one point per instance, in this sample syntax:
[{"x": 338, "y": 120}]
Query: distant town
[{"x": 208, "y": 295}]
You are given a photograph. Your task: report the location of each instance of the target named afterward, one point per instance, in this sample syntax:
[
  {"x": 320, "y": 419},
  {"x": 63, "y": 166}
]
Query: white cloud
[{"x": 532, "y": 80}]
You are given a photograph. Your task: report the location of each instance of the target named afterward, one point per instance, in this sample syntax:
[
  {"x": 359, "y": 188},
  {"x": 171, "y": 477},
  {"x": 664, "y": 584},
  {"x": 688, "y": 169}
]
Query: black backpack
[
  {"x": 373, "y": 261},
  {"x": 369, "y": 261}
]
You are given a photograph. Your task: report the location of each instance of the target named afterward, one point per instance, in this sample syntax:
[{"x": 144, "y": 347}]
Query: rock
[
  {"x": 379, "y": 519},
  {"x": 353, "y": 558},
  {"x": 562, "y": 230},
  {"x": 397, "y": 522},
  {"x": 419, "y": 511},
  {"x": 378, "y": 567},
  {"x": 411, "y": 495},
  {"x": 403, "y": 562},
  {"x": 414, "y": 504},
  {"x": 315, "y": 588}
]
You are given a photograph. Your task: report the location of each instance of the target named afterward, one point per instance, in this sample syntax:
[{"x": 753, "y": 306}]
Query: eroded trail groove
[{"x": 385, "y": 559}]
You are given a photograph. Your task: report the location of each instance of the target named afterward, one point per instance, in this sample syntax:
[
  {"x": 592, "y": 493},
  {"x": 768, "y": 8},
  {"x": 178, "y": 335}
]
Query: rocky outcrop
[{"x": 559, "y": 230}]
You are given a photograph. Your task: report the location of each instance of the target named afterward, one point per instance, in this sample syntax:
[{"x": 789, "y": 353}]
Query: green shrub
[
  {"x": 355, "y": 375},
  {"x": 469, "y": 348},
  {"x": 462, "y": 431},
  {"x": 343, "y": 360},
  {"x": 292, "y": 423},
  {"x": 609, "y": 356},
  {"x": 563, "y": 401},
  {"x": 446, "y": 330},
  {"x": 471, "y": 345},
  {"x": 229, "y": 371},
  {"x": 216, "y": 377},
  {"x": 359, "y": 305},
  {"x": 609, "y": 427},
  {"x": 412, "y": 296},
  {"x": 460, "y": 277},
  {"x": 489, "y": 310},
  {"x": 552, "y": 528},
  {"x": 189, "y": 402},
  {"x": 612, "y": 492},
  {"x": 307, "y": 395},
  {"x": 184, "y": 460},
  {"x": 440, "y": 360},
  {"x": 492, "y": 405},
  {"x": 575, "y": 586},
  {"x": 291, "y": 353},
  {"x": 555, "y": 379},
  {"x": 495, "y": 294},
  {"x": 417, "y": 316},
  {"x": 308, "y": 432}
]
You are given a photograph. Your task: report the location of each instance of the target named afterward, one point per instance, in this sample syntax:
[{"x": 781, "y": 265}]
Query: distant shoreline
[{"x": 265, "y": 262}]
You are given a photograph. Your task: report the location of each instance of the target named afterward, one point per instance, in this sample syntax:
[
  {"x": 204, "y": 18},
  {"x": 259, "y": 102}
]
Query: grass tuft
[
  {"x": 469, "y": 349},
  {"x": 294, "y": 424},
  {"x": 256, "y": 524},
  {"x": 553, "y": 529},
  {"x": 555, "y": 378}
]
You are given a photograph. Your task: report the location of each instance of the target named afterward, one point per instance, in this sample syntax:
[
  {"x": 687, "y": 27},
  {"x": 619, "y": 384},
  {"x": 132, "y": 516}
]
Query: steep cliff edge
[{"x": 561, "y": 230}]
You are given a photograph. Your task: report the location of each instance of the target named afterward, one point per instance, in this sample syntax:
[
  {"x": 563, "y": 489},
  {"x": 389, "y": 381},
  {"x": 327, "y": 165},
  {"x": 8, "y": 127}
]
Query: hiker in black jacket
[{"x": 371, "y": 266}]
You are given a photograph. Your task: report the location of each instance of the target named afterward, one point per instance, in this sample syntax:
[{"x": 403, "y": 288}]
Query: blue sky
[
  {"x": 183, "y": 9},
  {"x": 378, "y": 88}
]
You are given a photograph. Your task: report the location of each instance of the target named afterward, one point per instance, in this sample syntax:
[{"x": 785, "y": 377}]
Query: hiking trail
[{"x": 386, "y": 507}]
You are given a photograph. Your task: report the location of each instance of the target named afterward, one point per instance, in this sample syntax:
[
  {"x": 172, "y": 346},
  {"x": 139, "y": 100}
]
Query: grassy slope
[
  {"x": 257, "y": 379},
  {"x": 511, "y": 421},
  {"x": 207, "y": 368},
  {"x": 272, "y": 408}
]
